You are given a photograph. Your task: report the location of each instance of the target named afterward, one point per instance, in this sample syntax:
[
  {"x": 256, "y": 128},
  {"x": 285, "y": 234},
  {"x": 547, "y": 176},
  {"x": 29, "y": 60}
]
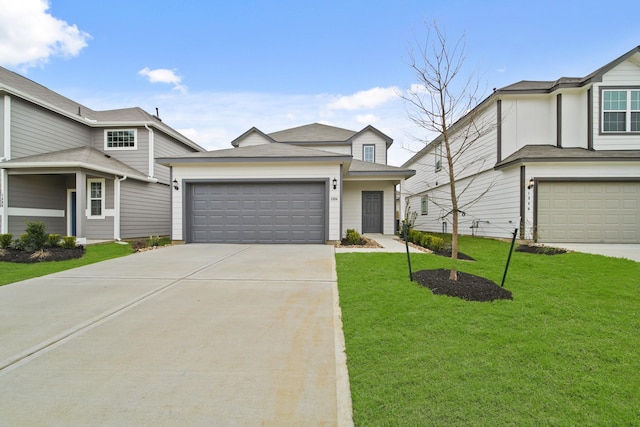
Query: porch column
[
  {"x": 81, "y": 203},
  {"x": 401, "y": 205},
  {"x": 4, "y": 201}
]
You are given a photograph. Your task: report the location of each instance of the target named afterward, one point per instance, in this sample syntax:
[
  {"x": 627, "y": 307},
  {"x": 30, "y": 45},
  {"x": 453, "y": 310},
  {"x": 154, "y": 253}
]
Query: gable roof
[
  {"x": 83, "y": 157},
  {"x": 22, "y": 87},
  {"x": 258, "y": 153},
  {"x": 314, "y": 132},
  {"x": 551, "y": 153},
  {"x": 236, "y": 142}
]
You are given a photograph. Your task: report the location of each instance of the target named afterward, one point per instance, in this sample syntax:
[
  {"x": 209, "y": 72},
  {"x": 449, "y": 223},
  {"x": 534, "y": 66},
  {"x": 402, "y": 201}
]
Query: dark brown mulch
[
  {"x": 468, "y": 287},
  {"x": 541, "y": 250},
  {"x": 50, "y": 254},
  {"x": 364, "y": 243},
  {"x": 447, "y": 253}
]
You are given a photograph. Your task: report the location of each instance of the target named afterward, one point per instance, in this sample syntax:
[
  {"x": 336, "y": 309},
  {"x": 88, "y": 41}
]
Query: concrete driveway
[{"x": 246, "y": 335}]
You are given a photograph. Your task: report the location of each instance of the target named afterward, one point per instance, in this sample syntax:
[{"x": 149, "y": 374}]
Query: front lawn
[
  {"x": 564, "y": 352},
  {"x": 14, "y": 272}
]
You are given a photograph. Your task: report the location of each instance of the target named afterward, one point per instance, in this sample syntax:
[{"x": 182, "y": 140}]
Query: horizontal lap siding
[
  {"x": 35, "y": 130},
  {"x": 37, "y": 192},
  {"x": 137, "y": 159},
  {"x": 370, "y": 138},
  {"x": 144, "y": 209},
  {"x": 167, "y": 147},
  {"x": 52, "y": 225},
  {"x": 101, "y": 228}
]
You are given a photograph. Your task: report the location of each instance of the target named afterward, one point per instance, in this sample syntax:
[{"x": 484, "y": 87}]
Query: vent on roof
[{"x": 157, "y": 116}]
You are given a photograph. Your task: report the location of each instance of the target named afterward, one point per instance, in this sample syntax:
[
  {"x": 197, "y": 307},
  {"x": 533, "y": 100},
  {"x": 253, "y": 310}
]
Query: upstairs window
[
  {"x": 369, "y": 153},
  {"x": 424, "y": 207},
  {"x": 438, "y": 154},
  {"x": 621, "y": 110},
  {"x": 121, "y": 139}
]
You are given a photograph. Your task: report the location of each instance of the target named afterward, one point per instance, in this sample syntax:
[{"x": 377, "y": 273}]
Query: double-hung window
[
  {"x": 424, "y": 207},
  {"x": 620, "y": 110},
  {"x": 369, "y": 153},
  {"x": 95, "y": 198},
  {"x": 438, "y": 154},
  {"x": 120, "y": 139}
]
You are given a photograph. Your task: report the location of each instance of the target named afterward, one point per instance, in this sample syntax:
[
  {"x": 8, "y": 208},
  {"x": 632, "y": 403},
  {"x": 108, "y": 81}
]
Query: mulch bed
[
  {"x": 468, "y": 287},
  {"x": 50, "y": 254},
  {"x": 364, "y": 243},
  {"x": 540, "y": 250}
]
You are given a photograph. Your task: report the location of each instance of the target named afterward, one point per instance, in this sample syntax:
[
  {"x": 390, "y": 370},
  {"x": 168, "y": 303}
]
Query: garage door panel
[
  {"x": 589, "y": 212},
  {"x": 259, "y": 212}
]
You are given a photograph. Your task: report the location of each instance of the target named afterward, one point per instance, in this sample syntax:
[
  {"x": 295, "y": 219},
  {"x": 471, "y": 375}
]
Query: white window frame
[
  {"x": 102, "y": 197},
  {"x": 438, "y": 155},
  {"x": 424, "y": 205},
  {"x": 106, "y": 139},
  {"x": 627, "y": 110},
  {"x": 373, "y": 153}
]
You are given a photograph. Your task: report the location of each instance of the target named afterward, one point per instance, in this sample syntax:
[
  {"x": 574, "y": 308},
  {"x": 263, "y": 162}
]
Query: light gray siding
[
  {"x": 166, "y": 147},
  {"x": 35, "y": 130},
  {"x": 17, "y": 224},
  {"x": 101, "y": 228},
  {"x": 137, "y": 159},
  {"x": 37, "y": 192},
  {"x": 144, "y": 209}
]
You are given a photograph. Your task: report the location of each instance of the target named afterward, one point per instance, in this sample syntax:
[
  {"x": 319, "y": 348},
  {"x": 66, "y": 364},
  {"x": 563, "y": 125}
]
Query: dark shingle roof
[
  {"x": 359, "y": 167},
  {"x": 550, "y": 153},
  {"x": 85, "y": 157},
  {"x": 314, "y": 132}
]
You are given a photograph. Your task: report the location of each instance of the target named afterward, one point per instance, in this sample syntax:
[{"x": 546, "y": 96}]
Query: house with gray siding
[
  {"x": 560, "y": 162},
  {"x": 90, "y": 174}
]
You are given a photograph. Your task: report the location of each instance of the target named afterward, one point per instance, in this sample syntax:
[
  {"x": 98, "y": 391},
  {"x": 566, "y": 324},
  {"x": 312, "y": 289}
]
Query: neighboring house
[
  {"x": 561, "y": 161},
  {"x": 303, "y": 185},
  {"x": 91, "y": 174}
]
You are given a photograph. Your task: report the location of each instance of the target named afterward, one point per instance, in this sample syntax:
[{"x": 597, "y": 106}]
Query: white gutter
[
  {"x": 83, "y": 165},
  {"x": 152, "y": 160},
  {"x": 116, "y": 202}
]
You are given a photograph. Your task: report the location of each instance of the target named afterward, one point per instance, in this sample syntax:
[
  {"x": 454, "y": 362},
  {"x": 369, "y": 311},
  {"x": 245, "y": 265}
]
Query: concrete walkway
[
  {"x": 628, "y": 251},
  {"x": 191, "y": 335}
]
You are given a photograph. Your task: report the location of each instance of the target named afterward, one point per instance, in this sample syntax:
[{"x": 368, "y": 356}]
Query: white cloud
[
  {"x": 164, "y": 75},
  {"x": 29, "y": 35},
  {"x": 365, "y": 99},
  {"x": 367, "y": 119}
]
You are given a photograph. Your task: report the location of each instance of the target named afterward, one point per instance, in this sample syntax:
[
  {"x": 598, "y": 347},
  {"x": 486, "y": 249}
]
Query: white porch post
[
  {"x": 81, "y": 203},
  {"x": 4, "y": 201},
  {"x": 402, "y": 205}
]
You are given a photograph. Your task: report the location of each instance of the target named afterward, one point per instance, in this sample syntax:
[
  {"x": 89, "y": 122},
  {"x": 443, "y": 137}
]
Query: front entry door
[{"x": 372, "y": 211}]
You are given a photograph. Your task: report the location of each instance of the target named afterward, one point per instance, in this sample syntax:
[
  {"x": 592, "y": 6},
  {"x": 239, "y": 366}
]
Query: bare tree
[{"x": 443, "y": 102}]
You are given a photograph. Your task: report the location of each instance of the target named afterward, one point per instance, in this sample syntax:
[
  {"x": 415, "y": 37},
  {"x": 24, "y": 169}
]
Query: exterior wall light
[
  {"x": 175, "y": 184},
  {"x": 532, "y": 182},
  {"x": 335, "y": 183}
]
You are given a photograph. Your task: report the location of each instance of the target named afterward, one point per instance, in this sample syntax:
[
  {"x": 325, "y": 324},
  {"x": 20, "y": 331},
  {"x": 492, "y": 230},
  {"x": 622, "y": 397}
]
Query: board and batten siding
[
  {"x": 352, "y": 199},
  {"x": 574, "y": 118},
  {"x": 35, "y": 130},
  {"x": 256, "y": 171},
  {"x": 370, "y": 138},
  {"x": 527, "y": 120},
  {"x": 624, "y": 75},
  {"x": 144, "y": 209}
]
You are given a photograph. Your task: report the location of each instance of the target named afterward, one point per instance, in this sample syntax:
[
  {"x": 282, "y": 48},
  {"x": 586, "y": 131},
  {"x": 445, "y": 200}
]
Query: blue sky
[{"x": 216, "y": 68}]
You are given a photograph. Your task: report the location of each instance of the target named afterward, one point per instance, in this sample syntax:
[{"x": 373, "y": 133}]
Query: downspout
[
  {"x": 6, "y": 137},
  {"x": 151, "y": 151},
  {"x": 4, "y": 173},
  {"x": 116, "y": 217}
]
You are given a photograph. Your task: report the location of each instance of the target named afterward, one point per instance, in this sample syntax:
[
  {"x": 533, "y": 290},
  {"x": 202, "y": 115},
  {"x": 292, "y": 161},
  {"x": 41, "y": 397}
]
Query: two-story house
[
  {"x": 90, "y": 174},
  {"x": 308, "y": 184},
  {"x": 560, "y": 161}
]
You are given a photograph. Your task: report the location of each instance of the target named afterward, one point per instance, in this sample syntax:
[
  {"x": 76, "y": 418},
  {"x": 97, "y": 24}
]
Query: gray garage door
[
  {"x": 281, "y": 212},
  {"x": 589, "y": 212}
]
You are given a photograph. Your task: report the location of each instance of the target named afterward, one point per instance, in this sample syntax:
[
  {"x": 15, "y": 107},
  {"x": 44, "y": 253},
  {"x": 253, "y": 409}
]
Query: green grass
[
  {"x": 564, "y": 352},
  {"x": 15, "y": 272}
]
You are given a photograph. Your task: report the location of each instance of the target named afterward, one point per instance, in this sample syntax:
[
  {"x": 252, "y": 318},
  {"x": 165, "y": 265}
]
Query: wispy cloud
[
  {"x": 29, "y": 35},
  {"x": 365, "y": 99},
  {"x": 164, "y": 75}
]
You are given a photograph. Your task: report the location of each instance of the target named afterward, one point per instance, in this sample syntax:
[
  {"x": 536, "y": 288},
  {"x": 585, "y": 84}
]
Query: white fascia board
[{"x": 36, "y": 165}]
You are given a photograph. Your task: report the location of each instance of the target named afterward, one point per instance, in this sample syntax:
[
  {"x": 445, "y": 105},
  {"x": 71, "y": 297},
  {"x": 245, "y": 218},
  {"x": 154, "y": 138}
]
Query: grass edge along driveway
[
  {"x": 563, "y": 352},
  {"x": 14, "y": 272}
]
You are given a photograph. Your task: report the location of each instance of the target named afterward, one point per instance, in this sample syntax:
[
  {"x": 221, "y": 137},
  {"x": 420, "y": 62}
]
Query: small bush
[
  {"x": 138, "y": 245},
  {"x": 69, "y": 242},
  {"x": 425, "y": 241},
  {"x": 437, "y": 243},
  {"x": 353, "y": 237},
  {"x": 34, "y": 238},
  {"x": 53, "y": 240},
  {"x": 153, "y": 240},
  {"x": 5, "y": 240}
]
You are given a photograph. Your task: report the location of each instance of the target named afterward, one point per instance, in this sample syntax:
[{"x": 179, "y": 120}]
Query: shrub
[
  {"x": 437, "y": 243},
  {"x": 353, "y": 237},
  {"x": 138, "y": 245},
  {"x": 53, "y": 240},
  {"x": 34, "y": 237},
  {"x": 5, "y": 240},
  {"x": 425, "y": 241},
  {"x": 69, "y": 242},
  {"x": 153, "y": 240}
]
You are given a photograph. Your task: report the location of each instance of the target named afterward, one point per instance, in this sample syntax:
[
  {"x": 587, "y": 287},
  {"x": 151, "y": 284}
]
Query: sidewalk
[{"x": 389, "y": 243}]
